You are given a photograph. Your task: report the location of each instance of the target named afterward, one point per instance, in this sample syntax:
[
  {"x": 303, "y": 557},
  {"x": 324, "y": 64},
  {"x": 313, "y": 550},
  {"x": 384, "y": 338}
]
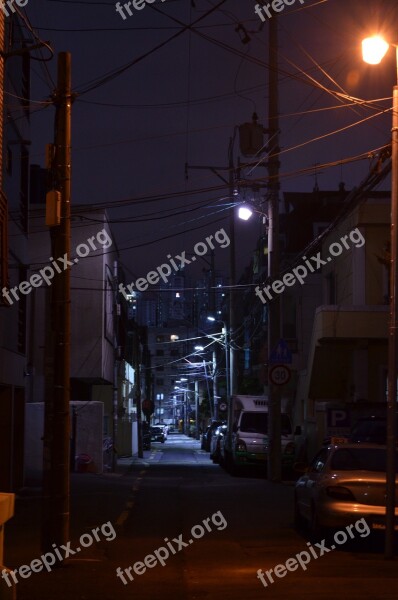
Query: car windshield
[
  {"x": 360, "y": 459},
  {"x": 257, "y": 422}
]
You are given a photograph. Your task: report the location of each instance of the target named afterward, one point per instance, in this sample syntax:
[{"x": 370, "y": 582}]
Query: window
[
  {"x": 159, "y": 352},
  {"x": 159, "y": 382},
  {"x": 160, "y": 368}
]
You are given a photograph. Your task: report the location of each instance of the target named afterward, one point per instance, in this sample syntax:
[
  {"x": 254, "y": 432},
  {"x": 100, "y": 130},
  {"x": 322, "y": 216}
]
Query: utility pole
[
  {"x": 56, "y": 441},
  {"x": 197, "y": 436},
  {"x": 232, "y": 278},
  {"x": 274, "y": 395},
  {"x": 137, "y": 389},
  {"x": 215, "y": 397},
  {"x": 115, "y": 407}
]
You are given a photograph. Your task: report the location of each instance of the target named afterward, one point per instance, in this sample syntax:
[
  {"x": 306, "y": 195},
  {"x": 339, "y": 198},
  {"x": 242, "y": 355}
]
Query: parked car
[
  {"x": 203, "y": 438},
  {"x": 215, "y": 442},
  {"x": 206, "y": 437},
  {"x": 342, "y": 484},
  {"x": 157, "y": 434}
]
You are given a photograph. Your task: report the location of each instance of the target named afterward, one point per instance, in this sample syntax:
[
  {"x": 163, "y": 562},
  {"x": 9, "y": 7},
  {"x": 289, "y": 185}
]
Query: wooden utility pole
[
  {"x": 274, "y": 395},
  {"x": 57, "y": 420}
]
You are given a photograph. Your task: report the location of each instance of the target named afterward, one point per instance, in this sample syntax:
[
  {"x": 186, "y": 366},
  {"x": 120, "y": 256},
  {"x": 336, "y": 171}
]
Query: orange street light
[{"x": 374, "y": 49}]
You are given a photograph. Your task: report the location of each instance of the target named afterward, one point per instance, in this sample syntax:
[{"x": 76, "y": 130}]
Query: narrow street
[{"x": 166, "y": 494}]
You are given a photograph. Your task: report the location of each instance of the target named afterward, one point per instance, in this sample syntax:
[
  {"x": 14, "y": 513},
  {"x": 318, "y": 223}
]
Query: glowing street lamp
[
  {"x": 245, "y": 212},
  {"x": 373, "y": 51}
]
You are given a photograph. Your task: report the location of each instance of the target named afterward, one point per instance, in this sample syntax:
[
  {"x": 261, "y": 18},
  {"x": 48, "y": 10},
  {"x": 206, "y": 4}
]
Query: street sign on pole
[
  {"x": 279, "y": 374},
  {"x": 281, "y": 354}
]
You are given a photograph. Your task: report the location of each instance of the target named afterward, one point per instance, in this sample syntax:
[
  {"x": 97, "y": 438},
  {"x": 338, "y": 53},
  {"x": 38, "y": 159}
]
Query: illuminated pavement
[{"x": 166, "y": 494}]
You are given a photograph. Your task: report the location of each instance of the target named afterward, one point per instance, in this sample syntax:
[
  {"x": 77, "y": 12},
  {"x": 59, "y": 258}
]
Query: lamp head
[
  {"x": 374, "y": 49},
  {"x": 245, "y": 212}
]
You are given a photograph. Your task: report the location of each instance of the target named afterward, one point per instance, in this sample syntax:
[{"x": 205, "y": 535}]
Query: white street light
[
  {"x": 245, "y": 212},
  {"x": 374, "y": 49}
]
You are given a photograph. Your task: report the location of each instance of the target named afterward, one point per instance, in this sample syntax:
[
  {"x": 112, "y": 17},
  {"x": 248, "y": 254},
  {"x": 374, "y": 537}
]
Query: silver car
[{"x": 342, "y": 484}]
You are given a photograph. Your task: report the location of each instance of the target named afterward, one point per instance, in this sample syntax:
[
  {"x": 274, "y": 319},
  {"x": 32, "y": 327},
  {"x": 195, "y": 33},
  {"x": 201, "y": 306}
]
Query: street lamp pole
[
  {"x": 197, "y": 436},
  {"x": 374, "y": 49},
  {"x": 215, "y": 398},
  {"x": 274, "y": 318},
  {"x": 392, "y": 335}
]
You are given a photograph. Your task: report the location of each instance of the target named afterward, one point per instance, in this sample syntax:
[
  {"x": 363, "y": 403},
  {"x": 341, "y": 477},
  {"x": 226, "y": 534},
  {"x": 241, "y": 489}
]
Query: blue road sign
[{"x": 281, "y": 355}]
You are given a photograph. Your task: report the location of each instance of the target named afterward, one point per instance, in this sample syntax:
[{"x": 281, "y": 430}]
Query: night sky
[{"x": 134, "y": 132}]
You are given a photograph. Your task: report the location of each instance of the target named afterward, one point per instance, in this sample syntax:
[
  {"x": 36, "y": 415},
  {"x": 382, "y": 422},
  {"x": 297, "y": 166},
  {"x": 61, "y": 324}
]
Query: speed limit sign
[{"x": 280, "y": 374}]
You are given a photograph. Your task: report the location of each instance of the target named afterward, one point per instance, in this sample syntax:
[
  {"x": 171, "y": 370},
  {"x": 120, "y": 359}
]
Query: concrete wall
[
  {"x": 89, "y": 436},
  {"x": 92, "y": 350}
]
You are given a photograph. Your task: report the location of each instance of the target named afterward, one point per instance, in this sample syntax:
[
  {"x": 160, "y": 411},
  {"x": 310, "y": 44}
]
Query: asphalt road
[{"x": 217, "y": 531}]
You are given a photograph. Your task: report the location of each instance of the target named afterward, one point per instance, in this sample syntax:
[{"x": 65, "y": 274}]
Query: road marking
[
  {"x": 85, "y": 560},
  {"x": 122, "y": 518},
  {"x": 191, "y": 541},
  {"x": 333, "y": 546},
  {"x": 78, "y": 549}
]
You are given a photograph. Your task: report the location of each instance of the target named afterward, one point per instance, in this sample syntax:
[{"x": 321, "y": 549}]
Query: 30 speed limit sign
[{"x": 280, "y": 374}]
